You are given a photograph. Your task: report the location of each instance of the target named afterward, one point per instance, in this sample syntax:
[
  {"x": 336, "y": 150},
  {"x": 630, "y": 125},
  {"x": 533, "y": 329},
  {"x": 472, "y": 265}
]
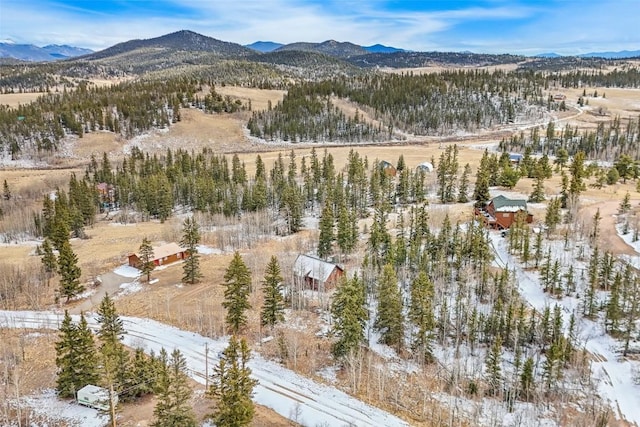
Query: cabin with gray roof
[
  {"x": 315, "y": 273},
  {"x": 501, "y": 212}
]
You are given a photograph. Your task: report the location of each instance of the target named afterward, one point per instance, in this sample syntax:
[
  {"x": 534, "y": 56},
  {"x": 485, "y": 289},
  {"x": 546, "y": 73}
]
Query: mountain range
[
  {"x": 29, "y": 52},
  {"x": 265, "y": 47},
  {"x": 621, "y": 54}
]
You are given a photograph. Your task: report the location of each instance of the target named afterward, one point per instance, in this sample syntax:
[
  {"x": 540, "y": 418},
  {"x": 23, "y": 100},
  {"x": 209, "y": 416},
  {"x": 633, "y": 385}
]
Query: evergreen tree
[
  {"x": 349, "y": 315},
  {"x": 114, "y": 357},
  {"x": 576, "y": 184},
  {"x": 421, "y": 315},
  {"x": 347, "y": 230},
  {"x": 537, "y": 195},
  {"x": 464, "y": 185},
  {"x": 237, "y": 280},
  {"x": 173, "y": 393},
  {"x": 273, "y": 306},
  {"x": 232, "y": 387},
  {"x": 189, "y": 241},
  {"x": 625, "y": 205},
  {"x": 552, "y": 217},
  {"x": 481, "y": 191},
  {"x": 146, "y": 258},
  {"x": 527, "y": 379},
  {"x": 76, "y": 358},
  {"x": 325, "y": 239},
  {"x": 49, "y": 261},
  {"x": 65, "y": 358},
  {"x": 69, "y": 273},
  {"x": 493, "y": 366},
  {"x": 390, "y": 320}
]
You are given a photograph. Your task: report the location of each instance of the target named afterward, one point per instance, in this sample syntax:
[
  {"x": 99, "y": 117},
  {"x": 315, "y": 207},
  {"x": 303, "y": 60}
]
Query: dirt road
[{"x": 110, "y": 284}]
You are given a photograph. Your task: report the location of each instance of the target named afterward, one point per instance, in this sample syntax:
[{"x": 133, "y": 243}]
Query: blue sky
[{"x": 491, "y": 26}]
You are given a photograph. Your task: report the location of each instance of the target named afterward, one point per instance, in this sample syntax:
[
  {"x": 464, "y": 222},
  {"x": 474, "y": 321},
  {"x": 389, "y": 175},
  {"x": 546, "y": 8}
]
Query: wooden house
[
  {"x": 501, "y": 212},
  {"x": 315, "y": 273},
  {"x": 165, "y": 254},
  {"x": 388, "y": 168}
]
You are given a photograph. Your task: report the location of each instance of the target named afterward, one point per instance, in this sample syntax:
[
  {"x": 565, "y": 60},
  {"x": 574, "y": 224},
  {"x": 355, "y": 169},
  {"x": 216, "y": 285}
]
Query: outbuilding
[
  {"x": 426, "y": 167},
  {"x": 165, "y": 254},
  {"x": 95, "y": 397}
]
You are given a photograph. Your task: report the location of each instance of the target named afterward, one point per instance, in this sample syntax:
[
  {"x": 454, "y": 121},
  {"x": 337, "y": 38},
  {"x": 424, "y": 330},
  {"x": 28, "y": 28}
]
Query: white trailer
[{"x": 95, "y": 397}]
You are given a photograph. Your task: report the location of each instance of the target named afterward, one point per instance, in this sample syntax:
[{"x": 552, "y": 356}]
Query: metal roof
[
  {"x": 169, "y": 249},
  {"x": 504, "y": 204},
  {"x": 314, "y": 268}
]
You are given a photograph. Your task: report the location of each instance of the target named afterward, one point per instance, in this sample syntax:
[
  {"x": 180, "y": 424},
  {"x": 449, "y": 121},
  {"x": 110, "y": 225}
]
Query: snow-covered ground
[
  {"x": 126, "y": 270},
  {"x": 45, "y": 409},
  {"x": 291, "y": 395},
  {"x": 613, "y": 375}
]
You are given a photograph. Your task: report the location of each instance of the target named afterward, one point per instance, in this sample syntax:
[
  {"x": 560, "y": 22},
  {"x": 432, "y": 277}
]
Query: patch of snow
[
  {"x": 207, "y": 250},
  {"x": 329, "y": 373},
  {"x": 48, "y": 410},
  {"x": 130, "y": 288},
  {"x": 126, "y": 270}
]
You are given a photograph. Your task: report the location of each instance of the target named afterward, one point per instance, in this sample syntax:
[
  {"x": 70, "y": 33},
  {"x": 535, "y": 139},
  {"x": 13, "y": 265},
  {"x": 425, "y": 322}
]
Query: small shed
[
  {"x": 316, "y": 273},
  {"x": 95, "y": 397},
  {"x": 515, "y": 158},
  {"x": 165, "y": 254},
  {"x": 426, "y": 167},
  {"x": 388, "y": 168}
]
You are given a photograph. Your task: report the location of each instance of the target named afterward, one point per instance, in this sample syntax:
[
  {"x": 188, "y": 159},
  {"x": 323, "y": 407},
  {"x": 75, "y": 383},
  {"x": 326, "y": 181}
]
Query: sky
[{"x": 484, "y": 26}]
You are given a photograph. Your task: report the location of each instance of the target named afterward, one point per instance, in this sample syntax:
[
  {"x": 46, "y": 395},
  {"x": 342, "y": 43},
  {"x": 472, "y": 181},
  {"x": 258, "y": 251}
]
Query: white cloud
[{"x": 567, "y": 27}]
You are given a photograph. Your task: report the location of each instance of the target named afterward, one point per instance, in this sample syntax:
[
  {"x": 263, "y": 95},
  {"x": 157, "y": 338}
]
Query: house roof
[
  {"x": 385, "y": 164},
  {"x": 504, "y": 204},
  {"x": 164, "y": 250},
  {"x": 93, "y": 389},
  {"x": 314, "y": 268}
]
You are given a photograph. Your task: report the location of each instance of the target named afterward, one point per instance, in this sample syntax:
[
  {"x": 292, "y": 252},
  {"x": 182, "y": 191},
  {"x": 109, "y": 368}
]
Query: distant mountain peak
[
  {"x": 29, "y": 52},
  {"x": 264, "y": 46}
]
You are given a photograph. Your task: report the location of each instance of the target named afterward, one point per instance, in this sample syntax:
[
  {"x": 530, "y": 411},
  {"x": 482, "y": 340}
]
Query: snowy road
[{"x": 289, "y": 394}]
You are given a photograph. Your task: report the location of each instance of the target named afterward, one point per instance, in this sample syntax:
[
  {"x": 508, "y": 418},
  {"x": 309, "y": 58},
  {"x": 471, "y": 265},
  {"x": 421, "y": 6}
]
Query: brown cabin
[
  {"x": 501, "y": 212},
  {"x": 388, "y": 168},
  {"x": 165, "y": 254},
  {"x": 316, "y": 273}
]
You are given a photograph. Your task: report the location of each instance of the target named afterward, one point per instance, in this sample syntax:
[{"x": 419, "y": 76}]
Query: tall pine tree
[
  {"x": 190, "y": 239},
  {"x": 273, "y": 306},
  {"x": 237, "y": 280},
  {"x": 69, "y": 272},
  {"x": 349, "y": 315},
  {"x": 173, "y": 393},
  {"x": 232, "y": 387},
  {"x": 390, "y": 320},
  {"x": 146, "y": 258},
  {"x": 76, "y": 358}
]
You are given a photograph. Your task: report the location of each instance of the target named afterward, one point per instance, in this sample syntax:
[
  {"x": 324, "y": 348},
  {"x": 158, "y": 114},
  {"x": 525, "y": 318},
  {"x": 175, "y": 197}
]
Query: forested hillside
[
  {"x": 430, "y": 104},
  {"x": 127, "y": 109}
]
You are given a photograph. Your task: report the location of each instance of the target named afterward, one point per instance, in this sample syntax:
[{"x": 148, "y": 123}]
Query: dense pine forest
[
  {"x": 418, "y": 104},
  {"x": 390, "y": 106},
  {"x": 127, "y": 109}
]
